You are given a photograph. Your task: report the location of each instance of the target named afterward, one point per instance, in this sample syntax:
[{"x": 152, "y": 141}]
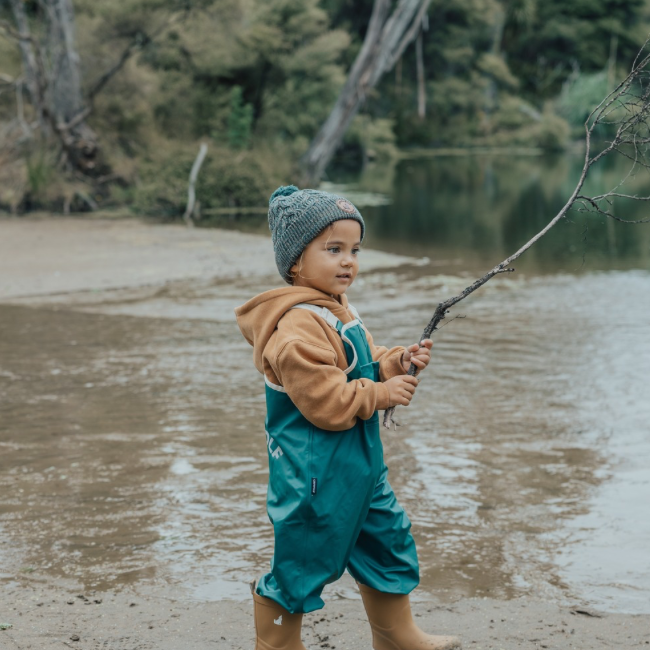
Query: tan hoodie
[{"x": 296, "y": 349}]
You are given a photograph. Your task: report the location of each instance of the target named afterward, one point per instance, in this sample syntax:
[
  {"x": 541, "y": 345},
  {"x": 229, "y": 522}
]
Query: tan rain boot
[
  {"x": 393, "y": 627},
  {"x": 275, "y": 627}
]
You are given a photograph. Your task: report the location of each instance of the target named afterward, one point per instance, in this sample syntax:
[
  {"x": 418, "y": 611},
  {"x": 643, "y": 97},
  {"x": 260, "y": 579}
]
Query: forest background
[{"x": 255, "y": 80}]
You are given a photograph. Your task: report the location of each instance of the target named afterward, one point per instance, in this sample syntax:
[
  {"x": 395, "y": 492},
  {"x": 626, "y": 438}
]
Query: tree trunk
[
  {"x": 30, "y": 66},
  {"x": 51, "y": 69},
  {"x": 419, "y": 64},
  {"x": 66, "y": 99},
  {"x": 386, "y": 39},
  {"x": 491, "y": 89},
  {"x": 65, "y": 76}
]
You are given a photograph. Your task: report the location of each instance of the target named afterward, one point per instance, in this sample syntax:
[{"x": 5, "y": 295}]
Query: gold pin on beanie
[{"x": 298, "y": 216}]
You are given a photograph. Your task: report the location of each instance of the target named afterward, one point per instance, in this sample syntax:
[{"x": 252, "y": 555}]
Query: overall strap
[
  {"x": 355, "y": 313},
  {"x": 336, "y": 324},
  {"x": 323, "y": 312}
]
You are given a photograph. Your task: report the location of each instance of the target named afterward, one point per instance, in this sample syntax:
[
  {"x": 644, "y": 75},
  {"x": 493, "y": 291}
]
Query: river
[{"x": 133, "y": 446}]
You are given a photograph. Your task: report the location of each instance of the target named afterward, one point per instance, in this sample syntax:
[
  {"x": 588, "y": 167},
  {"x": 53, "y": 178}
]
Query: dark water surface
[{"x": 467, "y": 213}]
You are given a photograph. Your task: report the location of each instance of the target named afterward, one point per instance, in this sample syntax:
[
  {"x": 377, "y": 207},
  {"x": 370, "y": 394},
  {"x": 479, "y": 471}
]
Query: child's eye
[
  {"x": 334, "y": 249},
  {"x": 355, "y": 251}
]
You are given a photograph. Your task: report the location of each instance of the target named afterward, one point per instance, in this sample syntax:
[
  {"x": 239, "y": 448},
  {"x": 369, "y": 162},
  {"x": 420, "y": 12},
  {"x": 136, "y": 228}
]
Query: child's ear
[{"x": 294, "y": 271}]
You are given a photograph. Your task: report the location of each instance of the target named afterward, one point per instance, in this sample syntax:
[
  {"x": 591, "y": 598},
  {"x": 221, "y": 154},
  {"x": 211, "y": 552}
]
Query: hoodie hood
[{"x": 258, "y": 318}]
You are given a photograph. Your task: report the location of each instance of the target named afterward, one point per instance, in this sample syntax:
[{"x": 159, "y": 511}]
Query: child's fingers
[{"x": 426, "y": 343}]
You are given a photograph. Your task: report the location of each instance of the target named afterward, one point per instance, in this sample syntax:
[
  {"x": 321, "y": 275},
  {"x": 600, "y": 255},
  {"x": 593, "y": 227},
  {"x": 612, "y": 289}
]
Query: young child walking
[{"x": 329, "y": 499}]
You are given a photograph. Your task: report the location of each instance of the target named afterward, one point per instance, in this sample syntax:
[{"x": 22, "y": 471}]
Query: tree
[
  {"x": 52, "y": 74},
  {"x": 388, "y": 35},
  {"x": 51, "y": 68},
  {"x": 545, "y": 41}
]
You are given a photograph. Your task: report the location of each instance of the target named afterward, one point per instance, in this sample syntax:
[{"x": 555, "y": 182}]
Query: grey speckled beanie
[{"x": 298, "y": 216}]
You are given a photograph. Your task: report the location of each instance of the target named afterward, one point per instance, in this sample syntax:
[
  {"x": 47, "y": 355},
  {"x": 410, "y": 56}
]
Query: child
[{"x": 329, "y": 499}]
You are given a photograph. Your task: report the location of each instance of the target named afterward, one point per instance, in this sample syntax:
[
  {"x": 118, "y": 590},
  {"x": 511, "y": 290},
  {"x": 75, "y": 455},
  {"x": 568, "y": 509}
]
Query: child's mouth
[{"x": 344, "y": 276}]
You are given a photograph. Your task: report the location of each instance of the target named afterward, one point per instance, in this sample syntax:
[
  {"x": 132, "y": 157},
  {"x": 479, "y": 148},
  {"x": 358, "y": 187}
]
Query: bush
[
  {"x": 580, "y": 96},
  {"x": 227, "y": 179},
  {"x": 240, "y": 120},
  {"x": 374, "y": 139}
]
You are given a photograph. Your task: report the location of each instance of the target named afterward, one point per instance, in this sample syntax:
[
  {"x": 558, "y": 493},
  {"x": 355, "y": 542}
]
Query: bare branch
[
  {"x": 12, "y": 33},
  {"x": 20, "y": 109},
  {"x": 607, "y": 213},
  {"x": 632, "y": 130},
  {"x": 191, "y": 195}
]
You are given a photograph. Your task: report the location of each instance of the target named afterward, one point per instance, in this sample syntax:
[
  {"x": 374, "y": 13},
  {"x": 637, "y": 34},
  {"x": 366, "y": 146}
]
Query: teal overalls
[{"x": 329, "y": 498}]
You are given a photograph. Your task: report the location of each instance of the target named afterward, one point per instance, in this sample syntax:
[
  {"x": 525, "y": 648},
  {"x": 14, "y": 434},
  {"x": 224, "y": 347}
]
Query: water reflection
[{"x": 470, "y": 212}]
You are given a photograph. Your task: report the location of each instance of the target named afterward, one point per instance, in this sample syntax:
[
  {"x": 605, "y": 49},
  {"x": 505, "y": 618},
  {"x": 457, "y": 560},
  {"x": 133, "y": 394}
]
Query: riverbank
[
  {"x": 47, "y": 256},
  {"x": 125, "y": 481},
  {"x": 46, "y": 617}
]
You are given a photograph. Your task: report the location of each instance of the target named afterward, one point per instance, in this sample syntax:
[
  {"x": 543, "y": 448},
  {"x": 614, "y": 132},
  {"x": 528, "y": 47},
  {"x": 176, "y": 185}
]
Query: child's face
[{"x": 330, "y": 262}]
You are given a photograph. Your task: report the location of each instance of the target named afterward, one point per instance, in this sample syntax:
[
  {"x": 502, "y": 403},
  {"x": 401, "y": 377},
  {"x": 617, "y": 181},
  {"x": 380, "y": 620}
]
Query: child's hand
[
  {"x": 401, "y": 389},
  {"x": 418, "y": 355}
]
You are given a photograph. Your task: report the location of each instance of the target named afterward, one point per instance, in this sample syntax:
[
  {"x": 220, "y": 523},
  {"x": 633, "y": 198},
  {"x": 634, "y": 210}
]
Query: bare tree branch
[
  {"x": 632, "y": 130},
  {"x": 191, "y": 195}
]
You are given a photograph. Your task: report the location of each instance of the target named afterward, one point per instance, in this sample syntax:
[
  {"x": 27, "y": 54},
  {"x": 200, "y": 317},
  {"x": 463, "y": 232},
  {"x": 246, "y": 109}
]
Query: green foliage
[
  {"x": 227, "y": 179},
  {"x": 515, "y": 128},
  {"x": 39, "y": 172},
  {"x": 546, "y": 40},
  {"x": 241, "y": 182},
  {"x": 581, "y": 95},
  {"x": 257, "y": 78},
  {"x": 300, "y": 76},
  {"x": 240, "y": 120},
  {"x": 371, "y": 139},
  {"x": 495, "y": 67},
  {"x": 492, "y": 66}
]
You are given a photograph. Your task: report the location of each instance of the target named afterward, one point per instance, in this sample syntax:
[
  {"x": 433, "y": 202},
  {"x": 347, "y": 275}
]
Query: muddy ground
[{"x": 107, "y": 280}]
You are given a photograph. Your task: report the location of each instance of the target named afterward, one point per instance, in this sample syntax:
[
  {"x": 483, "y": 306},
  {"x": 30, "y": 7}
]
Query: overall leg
[
  {"x": 384, "y": 556},
  {"x": 316, "y": 527},
  {"x": 384, "y": 564}
]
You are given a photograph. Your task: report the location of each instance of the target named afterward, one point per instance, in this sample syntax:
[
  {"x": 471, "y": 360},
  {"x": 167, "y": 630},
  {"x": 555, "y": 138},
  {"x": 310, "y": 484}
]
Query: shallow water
[{"x": 132, "y": 449}]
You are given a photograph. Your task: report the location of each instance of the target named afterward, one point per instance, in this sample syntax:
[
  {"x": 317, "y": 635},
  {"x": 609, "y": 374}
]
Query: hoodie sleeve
[
  {"x": 321, "y": 390},
  {"x": 390, "y": 361}
]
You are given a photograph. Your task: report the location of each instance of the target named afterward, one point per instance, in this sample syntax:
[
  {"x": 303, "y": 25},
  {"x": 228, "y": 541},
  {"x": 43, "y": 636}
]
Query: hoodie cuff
[
  {"x": 383, "y": 397},
  {"x": 391, "y": 365}
]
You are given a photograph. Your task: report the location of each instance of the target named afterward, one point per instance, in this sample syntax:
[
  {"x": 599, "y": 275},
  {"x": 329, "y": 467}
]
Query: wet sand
[
  {"x": 50, "y": 618},
  {"x": 113, "y": 487}
]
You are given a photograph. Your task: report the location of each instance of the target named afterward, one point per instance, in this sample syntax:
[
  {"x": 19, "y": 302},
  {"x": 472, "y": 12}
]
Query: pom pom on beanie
[
  {"x": 298, "y": 216},
  {"x": 284, "y": 190}
]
